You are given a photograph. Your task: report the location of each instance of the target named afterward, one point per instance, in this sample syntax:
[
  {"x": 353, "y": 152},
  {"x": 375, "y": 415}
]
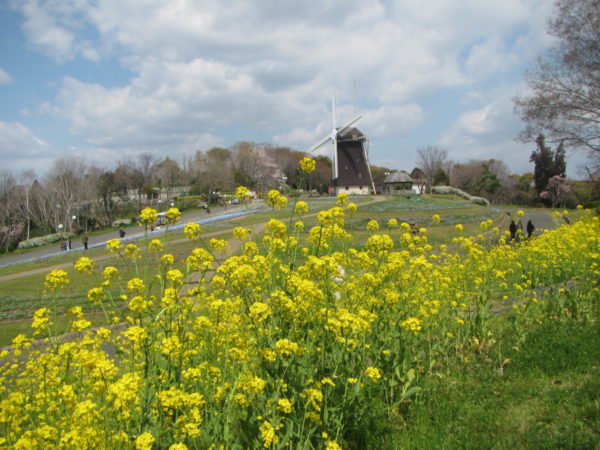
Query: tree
[
  {"x": 107, "y": 189},
  {"x": 10, "y": 227},
  {"x": 555, "y": 191},
  {"x": 287, "y": 160},
  {"x": 168, "y": 174},
  {"x": 213, "y": 169},
  {"x": 27, "y": 179},
  {"x": 565, "y": 84},
  {"x": 247, "y": 164},
  {"x": 441, "y": 178},
  {"x": 430, "y": 159},
  {"x": 320, "y": 179},
  {"x": 67, "y": 190},
  {"x": 137, "y": 174},
  {"x": 591, "y": 171},
  {"x": 464, "y": 176},
  {"x": 419, "y": 178},
  {"x": 547, "y": 163},
  {"x": 488, "y": 182}
]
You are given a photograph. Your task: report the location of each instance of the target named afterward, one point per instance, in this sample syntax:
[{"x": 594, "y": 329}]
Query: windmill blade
[
  {"x": 320, "y": 144},
  {"x": 341, "y": 130},
  {"x": 334, "y": 162}
]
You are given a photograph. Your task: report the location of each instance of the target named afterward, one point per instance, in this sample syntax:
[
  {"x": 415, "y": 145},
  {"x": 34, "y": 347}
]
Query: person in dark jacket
[
  {"x": 85, "y": 241},
  {"x": 530, "y": 228},
  {"x": 513, "y": 230}
]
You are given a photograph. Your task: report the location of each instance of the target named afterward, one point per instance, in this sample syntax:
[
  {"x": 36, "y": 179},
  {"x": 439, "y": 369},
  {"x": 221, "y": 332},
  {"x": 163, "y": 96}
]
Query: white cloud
[
  {"x": 5, "y": 78},
  {"x": 267, "y": 68},
  {"x": 56, "y": 27},
  {"x": 488, "y": 132},
  {"x": 21, "y": 149},
  {"x": 16, "y": 138}
]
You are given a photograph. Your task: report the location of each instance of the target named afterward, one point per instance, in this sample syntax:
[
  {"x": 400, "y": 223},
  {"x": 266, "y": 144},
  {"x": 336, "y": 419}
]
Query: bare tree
[
  {"x": 464, "y": 176},
  {"x": 419, "y": 178},
  {"x": 9, "y": 226},
  {"x": 137, "y": 174},
  {"x": 168, "y": 174},
  {"x": 247, "y": 164},
  {"x": 26, "y": 181},
  {"x": 430, "y": 160},
  {"x": 213, "y": 169},
  {"x": 565, "y": 84},
  {"x": 67, "y": 189}
]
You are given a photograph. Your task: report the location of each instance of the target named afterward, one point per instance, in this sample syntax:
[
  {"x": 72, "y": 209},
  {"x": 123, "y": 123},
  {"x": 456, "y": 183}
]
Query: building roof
[
  {"x": 400, "y": 176},
  {"x": 351, "y": 134}
]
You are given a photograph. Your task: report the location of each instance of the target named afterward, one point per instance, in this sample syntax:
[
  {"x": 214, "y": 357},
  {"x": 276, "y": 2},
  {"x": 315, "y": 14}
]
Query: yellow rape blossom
[
  {"x": 242, "y": 193},
  {"x": 56, "y": 279},
  {"x": 84, "y": 265},
  {"x": 155, "y": 245},
  {"x": 110, "y": 273},
  {"x": 373, "y": 373},
  {"x": 373, "y": 225},
  {"x": 114, "y": 245},
  {"x": 148, "y": 216},
  {"x": 241, "y": 233},
  {"x": 192, "y": 230},
  {"x": 301, "y": 207},
  {"x": 144, "y": 441},
  {"x": 307, "y": 164},
  {"x": 172, "y": 215}
]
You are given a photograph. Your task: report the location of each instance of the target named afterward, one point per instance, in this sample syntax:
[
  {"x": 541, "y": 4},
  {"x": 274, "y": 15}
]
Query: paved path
[
  {"x": 540, "y": 218},
  {"x": 133, "y": 233}
]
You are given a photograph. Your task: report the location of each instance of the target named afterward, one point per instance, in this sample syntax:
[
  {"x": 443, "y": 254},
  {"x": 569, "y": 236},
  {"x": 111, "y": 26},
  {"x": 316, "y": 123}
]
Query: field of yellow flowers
[{"x": 298, "y": 341}]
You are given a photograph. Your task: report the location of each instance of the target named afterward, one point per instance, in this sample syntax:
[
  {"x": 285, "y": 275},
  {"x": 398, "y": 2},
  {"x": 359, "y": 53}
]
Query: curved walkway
[{"x": 257, "y": 229}]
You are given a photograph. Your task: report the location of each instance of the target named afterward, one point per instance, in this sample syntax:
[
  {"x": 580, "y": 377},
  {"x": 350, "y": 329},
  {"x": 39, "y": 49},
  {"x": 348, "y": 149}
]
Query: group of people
[
  {"x": 514, "y": 227},
  {"x": 65, "y": 244}
]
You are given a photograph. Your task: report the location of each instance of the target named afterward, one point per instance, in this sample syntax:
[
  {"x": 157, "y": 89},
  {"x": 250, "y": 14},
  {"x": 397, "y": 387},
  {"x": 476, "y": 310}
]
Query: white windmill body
[{"x": 350, "y": 171}]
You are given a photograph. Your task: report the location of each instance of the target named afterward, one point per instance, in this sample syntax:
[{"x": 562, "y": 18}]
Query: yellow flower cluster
[
  {"x": 301, "y": 207},
  {"x": 84, "y": 265},
  {"x": 283, "y": 343},
  {"x": 148, "y": 216},
  {"x": 172, "y": 215},
  {"x": 307, "y": 164},
  {"x": 56, "y": 279},
  {"x": 192, "y": 230},
  {"x": 275, "y": 200},
  {"x": 242, "y": 193}
]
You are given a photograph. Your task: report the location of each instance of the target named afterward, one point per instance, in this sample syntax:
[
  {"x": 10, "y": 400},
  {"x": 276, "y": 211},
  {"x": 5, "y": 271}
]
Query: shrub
[
  {"x": 43, "y": 240},
  {"x": 121, "y": 223},
  {"x": 463, "y": 194}
]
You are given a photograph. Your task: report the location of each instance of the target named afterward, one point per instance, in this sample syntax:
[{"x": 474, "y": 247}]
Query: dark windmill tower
[{"x": 351, "y": 172}]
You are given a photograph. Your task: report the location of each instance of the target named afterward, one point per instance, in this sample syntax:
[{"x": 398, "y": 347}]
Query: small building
[{"x": 398, "y": 182}]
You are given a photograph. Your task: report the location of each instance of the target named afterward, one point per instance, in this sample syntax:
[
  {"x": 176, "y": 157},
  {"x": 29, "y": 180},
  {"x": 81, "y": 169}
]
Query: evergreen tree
[
  {"x": 560, "y": 164},
  {"x": 441, "y": 178},
  {"x": 488, "y": 182},
  {"x": 547, "y": 163}
]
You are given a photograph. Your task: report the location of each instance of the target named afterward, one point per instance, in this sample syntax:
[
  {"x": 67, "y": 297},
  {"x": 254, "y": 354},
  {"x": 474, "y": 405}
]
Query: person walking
[
  {"x": 121, "y": 233},
  {"x": 84, "y": 240},
  {"x": 512, "y": 228},
  {"x": 530, "y": 228}
]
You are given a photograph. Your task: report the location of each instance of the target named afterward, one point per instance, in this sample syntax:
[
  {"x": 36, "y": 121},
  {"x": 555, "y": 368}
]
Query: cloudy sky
[{"x": 107, "y": 79}]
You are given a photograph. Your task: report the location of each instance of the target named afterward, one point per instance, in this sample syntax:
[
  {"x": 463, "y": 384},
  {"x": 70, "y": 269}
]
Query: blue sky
[{"x": 108, "y": 79}]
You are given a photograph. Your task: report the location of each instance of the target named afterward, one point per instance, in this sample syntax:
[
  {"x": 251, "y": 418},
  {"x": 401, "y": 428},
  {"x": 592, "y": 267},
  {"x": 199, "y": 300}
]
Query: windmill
[{"x": 350, "y": 170}]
